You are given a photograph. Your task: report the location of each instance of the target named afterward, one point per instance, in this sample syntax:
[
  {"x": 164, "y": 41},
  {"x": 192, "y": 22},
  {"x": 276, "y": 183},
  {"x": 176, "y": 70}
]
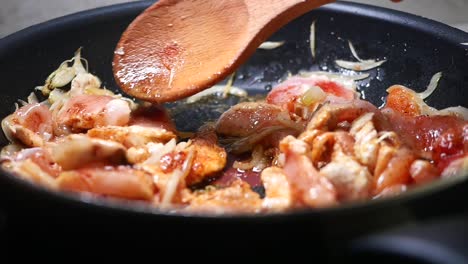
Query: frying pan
[{"x": 415, "y": 48}]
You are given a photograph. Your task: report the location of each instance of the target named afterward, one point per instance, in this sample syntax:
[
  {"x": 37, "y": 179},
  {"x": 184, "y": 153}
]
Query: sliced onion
[
  {"x": 332, "y": 75},
  {"x": 432, "y": 86},
  {"x": 157, "y": 150},
  {"x": 359, "y": 66},
  {"x": 63, "y": 76},
  {"x": 32, "y": 98},
  {"x": 312, "y": 38},
  {"x": 312, "y": 95},
  {"x": 459, "y": 111},
  {"x": 178, "y": 175},
  {"x": 269, "y": 45},
  {"x": 228, "y": 86},
  {"x": 77, "y": 65},
  {"x": 217, "y": 89},
  {"x": 353, "y": 51}
]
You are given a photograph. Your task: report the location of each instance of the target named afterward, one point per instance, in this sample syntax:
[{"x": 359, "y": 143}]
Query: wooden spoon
[{"x": 177, "y": 48}]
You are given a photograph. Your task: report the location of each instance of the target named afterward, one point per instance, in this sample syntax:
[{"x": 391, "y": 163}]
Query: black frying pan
[{"x": 416, "y": 48}]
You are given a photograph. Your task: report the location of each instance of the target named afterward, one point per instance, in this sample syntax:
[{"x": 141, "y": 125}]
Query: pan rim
[{"x": 425, "y": 25}]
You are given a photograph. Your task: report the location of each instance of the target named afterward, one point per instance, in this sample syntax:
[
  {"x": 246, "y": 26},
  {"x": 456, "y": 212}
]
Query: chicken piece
[
  {"x": 33, "y": 164},
  {"x": 169, "y": 164},
  {"x": 456, "y": 168},
  {"x": 249, "y": 124},
  {"x": 392, "y": 167},
  {"x": 40, "y": 157},
  {"x": 237, "y": 198},
  {"x": 151, "y": 153},
  {"x": 392, "y": 191},
  {"x": 422, "y": 171},
  {"x": 161, "y": 179},
  {"x": 84, "y": 112},
  {"x": 351, "y": 180},
  {"x": 29, "y": 170},
  {"x": 132, "y": 136},
  {"x": 278, "y": 195},
  {"x": 366, "y": 145},
  {"x": 309, "y": 188},
  {"x": 247, "y": 118},
  {"x": 291, "y": 91},
  {"x": 405, "y": 101},
  {"x": 441, "y": 139},
  {"x": 322, "y": 144},
  {"x": 31, "y": 124},
  {"x": 209, "y": 157},
  {"x": 121, "y": 181},
  {"x": 77, "y": 150},
  {"x": 333, "y": 115},
  {"x": 136, "y": 155}
]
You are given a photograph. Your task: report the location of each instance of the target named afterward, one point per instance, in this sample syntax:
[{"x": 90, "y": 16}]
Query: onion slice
[
  {"x": 458, "y": 111},
  {"x": 360, "y": 65},
  {"x": 177, "y": 176},
  {"x": 269, "y": 45},
  {"x": 218, "y": 90},
  {"x": 432, "y": 86},
  {"x": 332, "y": 75},
  {"x": 312, "y": 38},
  {"x": 227, "y": 88}
]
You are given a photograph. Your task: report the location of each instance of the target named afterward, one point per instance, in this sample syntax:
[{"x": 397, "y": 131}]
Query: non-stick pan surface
[{"x": 416, "y": 48}]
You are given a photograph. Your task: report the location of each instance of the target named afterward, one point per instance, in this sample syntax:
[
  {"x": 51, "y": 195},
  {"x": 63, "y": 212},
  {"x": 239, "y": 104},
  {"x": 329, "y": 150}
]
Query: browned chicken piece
[
  {"x": 78, "y": 150},
  {"x": 37, "y": 155},
  {"x": 29, "y": 170},
  {"x": 322, "y": 145},
  {"x": 247, "y": 118},
  {"x": 83, "y": 112},
  {"x": 132, "y": 136},
  {"x": 278, "y": 194},
  {"x": 309, "y": 188},
  {"x": 121, "y": 181},
  {"x": 33, "y": 164},
  {"x": 392, "y": 167},
  {"x": 351, "y": 180},
  {"x": 392, "y": 191},
  {"x": 31, "y": 124},
  {"x": 237, "y": 198},
  {"x": 366, "y": 137},
  {"x": 252, "y": 123},
  {"x": 209, "y": 157},
  {"x": 161, "y": 179},
  {"x": 338, "y": 115},
  {"x": 456, "y": 168},
  {"x": 169, "y": 165},
  {"x": 423, "y": 171}
]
